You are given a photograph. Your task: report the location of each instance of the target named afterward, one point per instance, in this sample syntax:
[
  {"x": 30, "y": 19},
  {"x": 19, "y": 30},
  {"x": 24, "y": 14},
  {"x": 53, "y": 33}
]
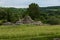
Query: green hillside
[{"x": 48, "y": 15}]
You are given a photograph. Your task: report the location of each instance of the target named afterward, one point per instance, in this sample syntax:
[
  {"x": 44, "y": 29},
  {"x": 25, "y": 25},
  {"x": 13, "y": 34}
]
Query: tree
[{"x": 34, "y": 11}]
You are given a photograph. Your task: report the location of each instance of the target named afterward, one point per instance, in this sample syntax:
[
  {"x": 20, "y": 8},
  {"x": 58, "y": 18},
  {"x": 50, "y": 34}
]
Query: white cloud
[
  {"x": 50, "y": 3},
  {"x": 13, "y": 3},
  {"x": 25, "y": 3},
  {"x": 0, "y": 2}
]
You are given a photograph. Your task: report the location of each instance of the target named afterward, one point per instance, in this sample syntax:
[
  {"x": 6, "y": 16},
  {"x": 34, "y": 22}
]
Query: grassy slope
[{"x": 29, "y": 32}]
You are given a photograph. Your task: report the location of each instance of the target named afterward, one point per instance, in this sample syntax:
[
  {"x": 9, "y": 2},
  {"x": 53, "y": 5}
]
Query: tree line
[{"x": 48, "y": 15}]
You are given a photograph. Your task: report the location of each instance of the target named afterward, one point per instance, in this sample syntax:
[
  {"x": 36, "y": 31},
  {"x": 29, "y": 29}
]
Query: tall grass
[{"x": 29, "y": 32}]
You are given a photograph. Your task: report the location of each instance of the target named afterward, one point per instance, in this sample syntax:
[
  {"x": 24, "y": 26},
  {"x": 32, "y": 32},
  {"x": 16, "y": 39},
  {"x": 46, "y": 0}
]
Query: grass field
[{"x": 29, "y": 32}]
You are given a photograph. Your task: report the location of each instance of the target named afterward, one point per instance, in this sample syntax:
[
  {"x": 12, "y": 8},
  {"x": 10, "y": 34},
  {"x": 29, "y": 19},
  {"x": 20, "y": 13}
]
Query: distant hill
[{"x": 51, "y": 7}]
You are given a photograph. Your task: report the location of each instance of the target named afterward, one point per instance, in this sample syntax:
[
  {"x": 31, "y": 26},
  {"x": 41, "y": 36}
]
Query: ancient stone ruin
[
  {"x": 25, "y": 20},
  {"x": 28, "y": 20}
]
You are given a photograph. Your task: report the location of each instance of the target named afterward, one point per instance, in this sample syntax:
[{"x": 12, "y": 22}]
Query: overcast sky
[{"x": 25, "y": 3}]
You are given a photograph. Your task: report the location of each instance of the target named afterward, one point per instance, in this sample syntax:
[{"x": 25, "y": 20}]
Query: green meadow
[{"x": 29, "y": 32}]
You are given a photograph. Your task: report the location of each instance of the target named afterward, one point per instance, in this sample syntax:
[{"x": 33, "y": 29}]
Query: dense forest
[{"x": 48, "y": 15}]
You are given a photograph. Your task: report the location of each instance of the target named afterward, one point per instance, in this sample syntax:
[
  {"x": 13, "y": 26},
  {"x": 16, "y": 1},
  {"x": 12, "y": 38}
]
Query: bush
[{"x": 2, "y": 21}]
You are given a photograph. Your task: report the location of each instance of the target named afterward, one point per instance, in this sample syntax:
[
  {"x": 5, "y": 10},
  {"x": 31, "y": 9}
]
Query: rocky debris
[
  {"x": 19, "y": 22},
  {"x": 37, "y": 23},
  {"x": 7, "y": 23}
]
